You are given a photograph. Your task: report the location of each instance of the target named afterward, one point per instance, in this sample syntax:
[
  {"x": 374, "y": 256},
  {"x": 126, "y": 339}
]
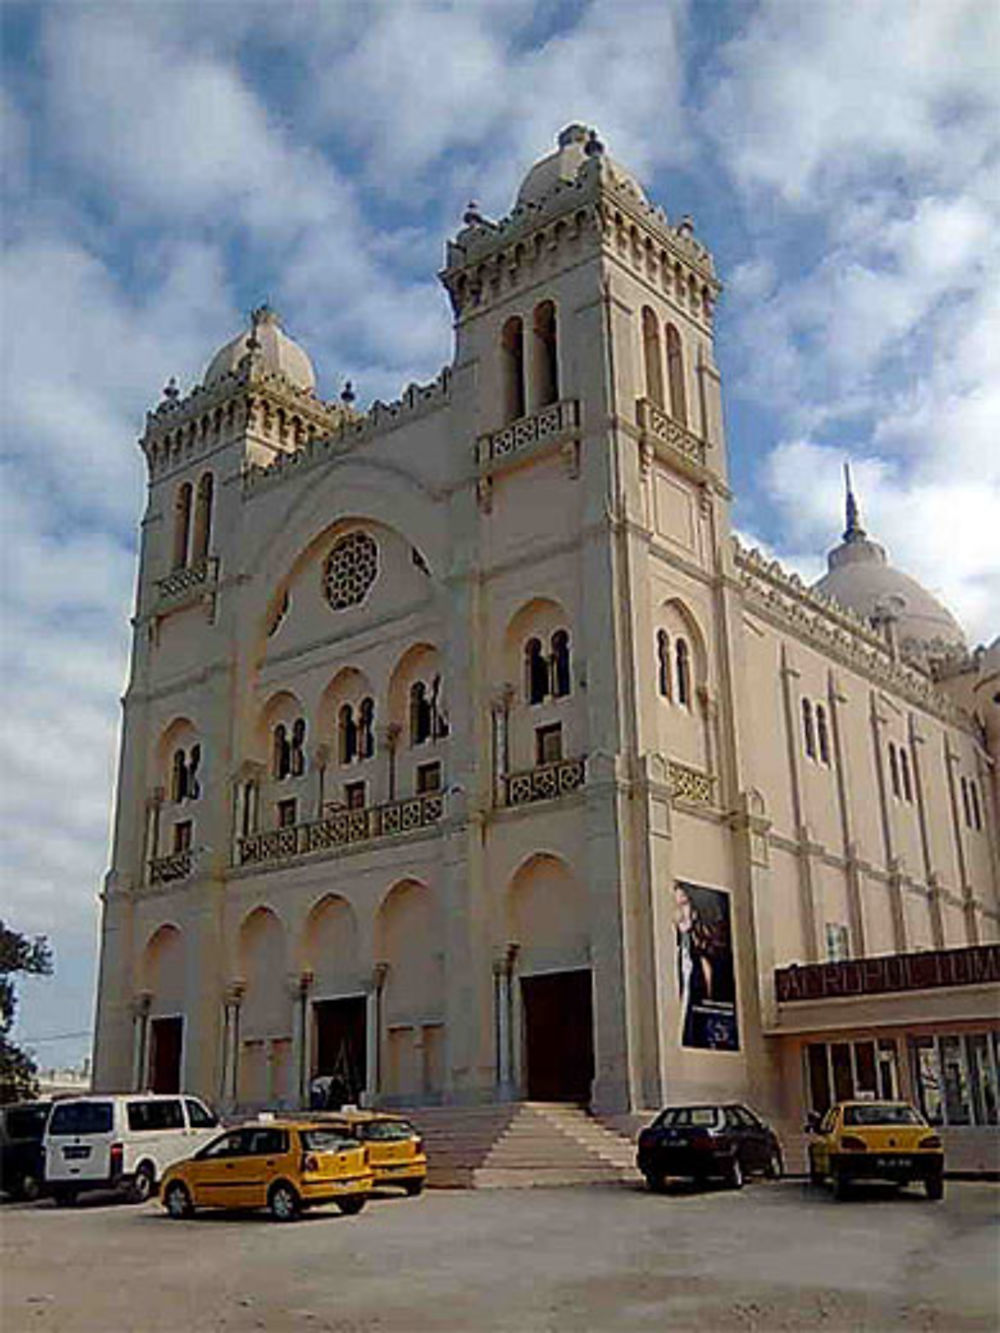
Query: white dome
[
  {"x": 562, "y": 166},
  {"x": 278, "y": 353}
]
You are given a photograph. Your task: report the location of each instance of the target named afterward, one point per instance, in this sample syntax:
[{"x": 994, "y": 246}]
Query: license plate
[
  {"x": 890, "y": 1162},
  {"x": 75, "y": 1154}
]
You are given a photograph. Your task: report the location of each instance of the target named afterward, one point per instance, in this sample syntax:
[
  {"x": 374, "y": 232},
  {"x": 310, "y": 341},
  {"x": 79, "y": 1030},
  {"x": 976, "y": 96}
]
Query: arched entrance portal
[
  {"x": 548, "y": 917},
  {"x": 339, "y": 1070},
  {"x": 163, "y": 976}
]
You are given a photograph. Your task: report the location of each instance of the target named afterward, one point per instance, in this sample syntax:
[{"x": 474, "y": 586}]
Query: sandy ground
[{"x": 772, "y": 1257}]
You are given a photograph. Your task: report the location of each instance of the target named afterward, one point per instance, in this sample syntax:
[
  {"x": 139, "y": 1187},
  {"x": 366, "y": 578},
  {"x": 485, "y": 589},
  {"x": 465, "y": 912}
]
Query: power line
[{"x": 56, "y": 1036}]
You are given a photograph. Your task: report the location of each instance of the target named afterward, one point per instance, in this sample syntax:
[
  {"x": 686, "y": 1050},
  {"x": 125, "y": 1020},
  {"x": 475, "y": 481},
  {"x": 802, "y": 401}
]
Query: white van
[{"x": 121, "y": 1141}]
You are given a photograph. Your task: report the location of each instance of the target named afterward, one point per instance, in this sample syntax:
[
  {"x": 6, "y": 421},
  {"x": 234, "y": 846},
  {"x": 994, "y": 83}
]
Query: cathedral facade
[{"x": 467, "y": 757}]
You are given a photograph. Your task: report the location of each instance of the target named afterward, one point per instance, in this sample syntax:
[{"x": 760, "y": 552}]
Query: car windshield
[
  {"x": 82, "y": 1118},
  {"x": 389, "y": 1131},
  {"x": 881, "y": 1114},
  {"x": 325, "y": 1140},
  {"x": 690, "y": 1117}
]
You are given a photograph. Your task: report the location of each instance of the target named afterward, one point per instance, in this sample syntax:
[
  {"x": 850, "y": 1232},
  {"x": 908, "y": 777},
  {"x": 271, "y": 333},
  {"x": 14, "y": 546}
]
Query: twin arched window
[
  {"x": 356, "y": 734},
  {"x": 899, "y": 772},
  {"x": 673, "y": 669},
  {"x": 188, "y": 504},
  {"x": 669, "y": 394},
  {"x": 815, "y": 731},
  {"x": 184, "y": 783},
  {"x": 289, "y": 758},
  {"x": 544, "y": 363},
  {"x": 547, "y": 674}
]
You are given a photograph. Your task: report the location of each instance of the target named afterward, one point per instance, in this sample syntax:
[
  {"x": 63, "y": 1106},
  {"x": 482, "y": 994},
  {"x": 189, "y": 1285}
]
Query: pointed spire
[{"x": 854, "y": 531}]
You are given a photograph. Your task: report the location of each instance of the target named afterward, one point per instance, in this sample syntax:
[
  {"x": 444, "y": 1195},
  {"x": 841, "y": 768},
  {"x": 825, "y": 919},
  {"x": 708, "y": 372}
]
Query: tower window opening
[
  {"x": 182, "y": 525},
  {"x": 203, "y": 519},
  {"x": 421, "y": 717},
  {"x": 904, "y": 773},
  {"x": 561, "y": 682},
  {"x": 894, "y": 771},
  {"x": 546, "y": 359},
  {"x": 297, "y": 757},
  {"x": 822, "y": 735},
  {"x": 439, "y": 720},
  {"x": 675, "y": 376},
  {"x": 366, "y": 729},
  {"x": 512, "y": 347},
  {"x": 663, "y": 662},
  {"x": 184, "y": 784},
  {"x": 347, "y": 735},
  {"x": 977, "y": 818},
  {"x": 808, "y": 729},
  {"x": 536, "y": 672},
  {"x": 682, "y": 655},
  {"x": 282, "y": 752},
  {"x": 966, "y": 803},
  {"x": 652, "y": 357},
  {"x": 178, "y": 779}
]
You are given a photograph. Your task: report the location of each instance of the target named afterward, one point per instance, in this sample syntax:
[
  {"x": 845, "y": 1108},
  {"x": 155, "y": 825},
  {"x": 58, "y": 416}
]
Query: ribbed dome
[
  {"x": 860, "y": 578},
  {"x": 561, "y": 167},
  {"x": 278, "y": 353}
]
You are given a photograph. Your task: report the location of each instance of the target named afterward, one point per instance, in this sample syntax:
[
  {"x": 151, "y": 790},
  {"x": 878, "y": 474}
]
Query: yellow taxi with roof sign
[
  {"x": 284, "y": 1166},
  {"x": 874, "y": 1140},
  {"x": 394, "y": 1146}
]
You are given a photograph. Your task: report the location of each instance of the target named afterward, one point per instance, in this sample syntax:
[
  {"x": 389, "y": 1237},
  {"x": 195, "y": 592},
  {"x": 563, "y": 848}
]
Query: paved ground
[{"x": 773, "y": 1257}]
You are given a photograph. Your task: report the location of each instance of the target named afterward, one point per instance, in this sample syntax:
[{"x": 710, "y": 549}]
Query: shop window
[
  {"x": 663, "y": 663},
  {"x": 354, "y": 795},
  {"x": 955, "y": 1081},
  {"x": 845, "y": 1071},
  {"x": 819, "y": 1077},
  {"x": 955, "y": 1077},
  {"x": 287, "y": 813},
  {"x": 548, "y": 744},
  {"x": 428, "y": 778},
  {"x": 808, "y": 729},
  {"x": 983, "y": 1075},
  {"x": 183, "y": 830}
]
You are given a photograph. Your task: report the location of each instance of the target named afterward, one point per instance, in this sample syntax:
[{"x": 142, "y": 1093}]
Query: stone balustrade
[
  {"x": 167, "y": 869},
  {"x": 339, "y": 829},
  {"x": 552, "y": 423},
  {"x": 546, "y": 782},
  {"x": 691, "y": 784},
  {"x": 658, "y": 428},
  {"x": 179, "y": 582}
]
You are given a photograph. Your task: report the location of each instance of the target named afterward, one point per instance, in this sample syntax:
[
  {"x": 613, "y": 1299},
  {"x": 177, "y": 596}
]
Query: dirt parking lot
[{"x": 774, "y": 1256}]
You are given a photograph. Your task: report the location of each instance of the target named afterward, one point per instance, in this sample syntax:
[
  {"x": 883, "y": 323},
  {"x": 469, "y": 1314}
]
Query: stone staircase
[{"x": 521, "y": 1144}]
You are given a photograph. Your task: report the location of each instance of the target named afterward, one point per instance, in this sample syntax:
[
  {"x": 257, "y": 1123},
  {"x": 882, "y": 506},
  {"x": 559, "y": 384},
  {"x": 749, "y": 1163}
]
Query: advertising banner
[{"x": 705, "y": 971}]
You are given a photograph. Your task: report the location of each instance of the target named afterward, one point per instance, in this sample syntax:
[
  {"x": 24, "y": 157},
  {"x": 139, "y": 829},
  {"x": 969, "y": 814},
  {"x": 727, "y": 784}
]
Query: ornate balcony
[
  {"x": 546, "y": 782},
  {"x": 166, "y": 869},
  {"x": 691, "y": 784},
  {"x": 179, "y": 584},
  {"x": 659, "y": 429},
  {"x": 554, "y": 423},
  {"x": 340, "y": 829}
]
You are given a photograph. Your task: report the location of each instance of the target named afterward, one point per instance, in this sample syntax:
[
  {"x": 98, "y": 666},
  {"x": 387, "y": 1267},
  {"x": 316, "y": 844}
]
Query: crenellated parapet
[
  {"x": 601, "y": 210},
  {"x": 782, "y": 598},
  {"x": 351, "y": 432}
]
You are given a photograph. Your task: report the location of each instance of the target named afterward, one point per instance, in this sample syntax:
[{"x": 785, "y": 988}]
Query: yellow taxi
[
  {"x": 394, "y": 1147},
  {"x": 283, "y": 1167},
  {"x": 870, "y": 1140}
]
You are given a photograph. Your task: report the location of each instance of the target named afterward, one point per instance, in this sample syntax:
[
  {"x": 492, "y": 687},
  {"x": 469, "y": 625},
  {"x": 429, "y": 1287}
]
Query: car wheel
[
  {"x": 177, "y": 1200},
  {"x": 353, "y": 1204},
  {"x": 29, "y": 1187},
  {"x": 734, "y": 1173},
  {"x": 414, "y": 1187},
  {"x": 143, "y": 1185},
  {"x": 283, "y": 1202},
  {"x": 64, "y": 1197},
  {"x": 775, "y": 1168},
  {"x": 657, "y": 1182},
  {"x": 841, "y": 1186},
  {"x": 934, "y": 1185}
]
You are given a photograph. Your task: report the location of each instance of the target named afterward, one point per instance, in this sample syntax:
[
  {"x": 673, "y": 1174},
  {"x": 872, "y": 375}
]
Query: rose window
[{"x": 350, "y": 570}]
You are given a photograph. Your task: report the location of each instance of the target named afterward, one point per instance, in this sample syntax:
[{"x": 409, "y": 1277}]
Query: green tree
[{"x": 33, "y": 957}]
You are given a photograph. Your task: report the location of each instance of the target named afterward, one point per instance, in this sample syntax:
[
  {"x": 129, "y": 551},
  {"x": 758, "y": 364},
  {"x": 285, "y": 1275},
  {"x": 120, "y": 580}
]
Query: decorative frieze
[
  {"x": 690, "y": 784},
  {"x": 339, "y": 829},
  {"x": 552, "y": 425},
  {"x": 660, "y": 431},
  {"x": 545, "y": 783}
]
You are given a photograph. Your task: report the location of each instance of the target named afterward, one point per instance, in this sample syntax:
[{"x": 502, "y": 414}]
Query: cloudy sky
[{"x": 168, "y": 166}]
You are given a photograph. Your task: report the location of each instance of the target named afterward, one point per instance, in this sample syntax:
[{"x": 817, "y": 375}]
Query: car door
[
  {"x": 756, "y": 1138},
  {"x": 215, "y": 1174},
  {"x": 265, "y": 1158},
  {"x": 824, "y": 1137}
]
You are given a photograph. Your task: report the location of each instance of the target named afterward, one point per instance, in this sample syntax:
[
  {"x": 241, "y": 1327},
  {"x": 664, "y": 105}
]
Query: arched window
[
  {"x": 366, "y": 729},
  {"x": 807, "y": 728},
  {"x": 347, "y": 737},
  {"x": 966, "y": 804},
  {"x": 297, "y": 757},
  {"x": 675, "y": 376},
  {"x": 192, "y": 783},
  {"x": 682, "y": 654},
  {"x": 977, "y": 817},
  {"x": 512, "y": 348},
  {"x": 178, "y": 777},
  {"x": 894, "y": 770},
  {"x": 282, "y": 753},
  {"x": 536, "y": 672},
  {"x": 663, "y": 662},
  {"x": 182, "y": 524},
  {"x": 652, "y": 356},
  {"x": 203, "y": 518},
  {"x": 904, "y": 773},
  {"x": 822, "y": 734},
  {"x": 561, "y": 683},
  {"x": 546, "y": 362},
  {"x": 439, "y": 722},
  {"x": 420, "y": 714}
]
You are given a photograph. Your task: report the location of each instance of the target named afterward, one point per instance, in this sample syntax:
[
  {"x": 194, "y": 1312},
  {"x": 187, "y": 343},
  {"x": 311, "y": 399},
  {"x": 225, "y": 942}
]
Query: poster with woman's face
[{"x": 705, "y": 972}]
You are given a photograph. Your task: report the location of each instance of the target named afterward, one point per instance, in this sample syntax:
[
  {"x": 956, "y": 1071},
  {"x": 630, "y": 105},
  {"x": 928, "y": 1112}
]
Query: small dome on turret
[
  {"x": 860, "y": 578},
  {"x": 277, "y": 352},
  {"x": 576, "y": 145}
]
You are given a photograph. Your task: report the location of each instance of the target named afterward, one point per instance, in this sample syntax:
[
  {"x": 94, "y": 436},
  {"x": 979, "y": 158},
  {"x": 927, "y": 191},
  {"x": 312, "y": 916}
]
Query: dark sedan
[
  {"x": 22, "y": 1126},
  {"x": 702, "y": 1142}
]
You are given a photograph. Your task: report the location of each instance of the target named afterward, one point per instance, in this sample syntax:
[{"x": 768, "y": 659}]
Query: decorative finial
[
  {"x": 171, "y": 393},
  {"x": 853, "y": 532},
  {"x": 472, "y": 216},
  {"x": 347, "y": 394},
  {"x": 593, "y": 147},
  {"x": 686, "y": 225}
]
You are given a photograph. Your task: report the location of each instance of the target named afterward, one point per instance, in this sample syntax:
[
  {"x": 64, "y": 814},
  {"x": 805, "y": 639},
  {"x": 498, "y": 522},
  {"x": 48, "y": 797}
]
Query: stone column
[
  {"x": 140, "y": 1038},
  {"x": 503, "y": 972},
  {"x": 301, "y": 1033},
  {"x": 232, "y": 1001},
  {"x": 154, "y": 806},
  {"x": 373, "y": 1033},
  {"x": 389, "y": 741},
  {"x": 320, "y": 760}
]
